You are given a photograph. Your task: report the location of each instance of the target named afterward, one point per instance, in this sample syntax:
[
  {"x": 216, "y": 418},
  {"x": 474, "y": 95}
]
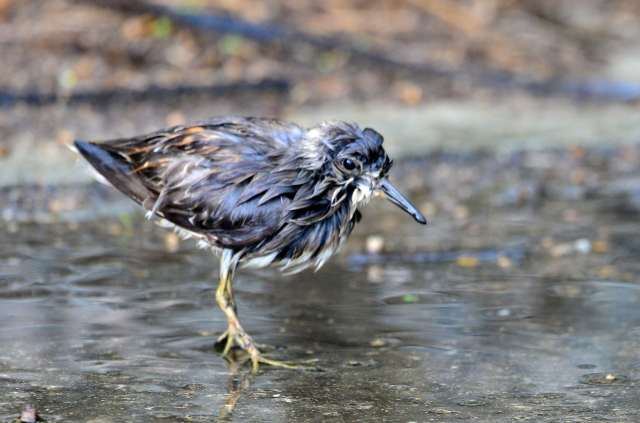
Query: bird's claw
[{"x": 233, "y": 339}]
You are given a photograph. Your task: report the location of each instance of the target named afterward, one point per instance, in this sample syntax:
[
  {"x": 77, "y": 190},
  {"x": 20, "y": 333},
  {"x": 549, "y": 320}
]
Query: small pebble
[
  {"x": 504, "y": 262},
  {"x": 603, "y": 379},
  {"x": 378, "y": 342},
  {"x": 600, "y": 247},
  {"x": 375, "y": 244},
  {"x": 560, "y": 250},
  {"x": 607, "y": 272},
  {"x": 171, "y": 242},
  {"x": 408, "y": 92},
  {"x": 504, "y": 312},
  {"x": 467, "y": 261},
  {"x": 582, "y": 245}
]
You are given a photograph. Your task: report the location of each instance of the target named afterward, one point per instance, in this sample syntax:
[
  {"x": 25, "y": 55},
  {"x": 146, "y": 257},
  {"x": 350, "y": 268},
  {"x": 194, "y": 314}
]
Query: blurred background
[
  {"x": 426, "y": 73},
  {"x": 513, "y": 125}
]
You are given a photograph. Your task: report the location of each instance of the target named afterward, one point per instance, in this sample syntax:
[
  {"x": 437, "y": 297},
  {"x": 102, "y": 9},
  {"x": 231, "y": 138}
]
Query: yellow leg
[{"x": 235, "y": 333}]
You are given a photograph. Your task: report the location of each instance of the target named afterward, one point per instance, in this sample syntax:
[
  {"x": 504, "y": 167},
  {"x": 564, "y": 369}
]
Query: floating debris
[{"x": 410, "y": 298}]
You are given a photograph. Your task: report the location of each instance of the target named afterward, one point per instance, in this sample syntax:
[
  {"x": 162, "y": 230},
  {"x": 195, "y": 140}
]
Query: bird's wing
[{"x": 226, "y": 179}]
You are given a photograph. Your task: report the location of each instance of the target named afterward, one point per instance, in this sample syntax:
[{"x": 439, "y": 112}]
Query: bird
[{"x": 255, "y": 191}]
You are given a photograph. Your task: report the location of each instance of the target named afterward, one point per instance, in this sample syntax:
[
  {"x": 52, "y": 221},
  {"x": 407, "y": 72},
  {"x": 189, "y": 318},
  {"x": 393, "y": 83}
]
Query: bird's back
[
  {"x": 227, "y": 179},
  {"x": 258, "y": 187}
]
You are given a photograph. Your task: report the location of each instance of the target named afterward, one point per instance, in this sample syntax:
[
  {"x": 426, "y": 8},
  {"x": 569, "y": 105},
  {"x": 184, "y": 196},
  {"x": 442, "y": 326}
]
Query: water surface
[{"x": 110, "y": 322}]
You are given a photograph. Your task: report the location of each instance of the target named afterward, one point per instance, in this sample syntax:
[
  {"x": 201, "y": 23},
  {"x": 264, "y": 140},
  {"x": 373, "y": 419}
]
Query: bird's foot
[{"x": 235, "y": 338}]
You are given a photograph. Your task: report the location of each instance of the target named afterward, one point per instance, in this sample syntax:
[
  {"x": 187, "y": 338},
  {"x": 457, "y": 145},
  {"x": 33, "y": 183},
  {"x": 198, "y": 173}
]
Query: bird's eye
[{"x": 348, "y": 164}]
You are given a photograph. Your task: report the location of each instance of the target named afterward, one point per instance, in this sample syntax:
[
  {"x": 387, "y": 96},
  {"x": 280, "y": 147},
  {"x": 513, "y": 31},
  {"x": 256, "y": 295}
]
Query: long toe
[
  {"x": 307, "y": 365},
  {"x": 283, "y": 364}
]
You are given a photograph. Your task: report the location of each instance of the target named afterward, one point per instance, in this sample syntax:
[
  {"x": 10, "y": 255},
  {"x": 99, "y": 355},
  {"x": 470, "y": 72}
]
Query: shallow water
[{"x": 102, "y": 323}]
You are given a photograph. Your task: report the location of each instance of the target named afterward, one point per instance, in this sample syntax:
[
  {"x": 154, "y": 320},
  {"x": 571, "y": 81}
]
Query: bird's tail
[{"x": 114, "y": 168}]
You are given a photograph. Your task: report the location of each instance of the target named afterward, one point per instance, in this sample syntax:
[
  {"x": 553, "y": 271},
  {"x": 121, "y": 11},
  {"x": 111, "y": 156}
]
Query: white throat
[{"x": 363, "y": 192}]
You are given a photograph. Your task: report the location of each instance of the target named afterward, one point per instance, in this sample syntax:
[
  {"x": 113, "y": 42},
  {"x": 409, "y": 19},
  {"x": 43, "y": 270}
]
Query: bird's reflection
[{"x": 239, "y": 381}]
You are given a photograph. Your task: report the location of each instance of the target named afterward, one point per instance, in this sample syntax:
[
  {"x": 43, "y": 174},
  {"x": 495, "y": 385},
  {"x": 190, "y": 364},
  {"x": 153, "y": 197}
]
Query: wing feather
[{"x": 224, "y": 179}]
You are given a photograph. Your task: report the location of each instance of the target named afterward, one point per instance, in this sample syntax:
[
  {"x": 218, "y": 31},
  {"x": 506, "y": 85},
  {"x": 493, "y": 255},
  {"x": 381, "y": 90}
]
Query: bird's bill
[{"x": 401, "y": 201}]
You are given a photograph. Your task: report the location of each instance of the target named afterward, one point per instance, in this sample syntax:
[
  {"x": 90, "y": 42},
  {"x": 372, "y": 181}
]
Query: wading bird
[{"x": 256, "y": 191}]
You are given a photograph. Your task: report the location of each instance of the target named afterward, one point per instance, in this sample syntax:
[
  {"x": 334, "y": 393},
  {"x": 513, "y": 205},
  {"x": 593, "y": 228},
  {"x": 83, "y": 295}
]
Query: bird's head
[{"x": 355, "y": 161}]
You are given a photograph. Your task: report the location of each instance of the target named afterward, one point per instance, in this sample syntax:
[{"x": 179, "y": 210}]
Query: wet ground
[{"x": 518, "y": 303}]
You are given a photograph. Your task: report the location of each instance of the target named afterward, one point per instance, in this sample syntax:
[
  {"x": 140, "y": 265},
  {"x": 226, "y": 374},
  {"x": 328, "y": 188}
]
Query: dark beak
[{"x": 401, "y": 201}]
